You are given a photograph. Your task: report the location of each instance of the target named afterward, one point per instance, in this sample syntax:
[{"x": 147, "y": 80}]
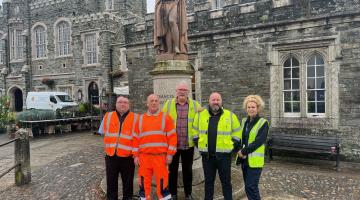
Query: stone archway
[
  {"x": 16, "y": 99},
  {"x": 93, "y": 93}
]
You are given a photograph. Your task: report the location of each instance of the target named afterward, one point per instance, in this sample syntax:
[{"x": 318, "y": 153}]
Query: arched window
[
  {"x": 315, "y": 84},
  {"x": 93, "y": 92},
  {"x": 291, "y": 91},
  {"x": 2, "y": 50},
  {"x": 63, "y": 38},
  {"x": 40, "y": 41}
]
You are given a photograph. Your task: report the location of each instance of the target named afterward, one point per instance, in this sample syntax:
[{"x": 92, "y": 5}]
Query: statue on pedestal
[{"x": 170, "y": 27}]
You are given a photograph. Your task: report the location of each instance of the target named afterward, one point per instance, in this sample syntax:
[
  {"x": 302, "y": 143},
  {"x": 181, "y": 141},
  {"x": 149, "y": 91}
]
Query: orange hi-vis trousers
[{"x": 149, "y": 165}]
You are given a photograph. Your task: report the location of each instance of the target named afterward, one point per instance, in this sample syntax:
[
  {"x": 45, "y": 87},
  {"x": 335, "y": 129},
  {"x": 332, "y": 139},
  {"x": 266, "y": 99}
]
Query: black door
[
  {"x": 93, "y": 93},
  {"x": 18, "y": 100}
]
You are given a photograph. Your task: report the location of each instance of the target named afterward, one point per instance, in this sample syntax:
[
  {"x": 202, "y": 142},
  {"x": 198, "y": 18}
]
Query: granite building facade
[{"x": 301, "y": 56}]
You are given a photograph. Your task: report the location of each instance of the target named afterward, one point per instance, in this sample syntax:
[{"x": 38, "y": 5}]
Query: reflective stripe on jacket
[
  {"x": 154, "y": 134},
  {"x": 228, "y": 128},
  {"x": 113, "y": 140},
  {"x": 170, "y": 108},
  {"x": 256, "y": 159}
]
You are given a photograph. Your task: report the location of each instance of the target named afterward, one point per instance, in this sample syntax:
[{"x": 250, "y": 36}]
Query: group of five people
[{"x": 155, "y": 142}]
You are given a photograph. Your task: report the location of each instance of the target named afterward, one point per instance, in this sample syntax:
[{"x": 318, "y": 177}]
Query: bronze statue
[{"x": 170, "y": 27}]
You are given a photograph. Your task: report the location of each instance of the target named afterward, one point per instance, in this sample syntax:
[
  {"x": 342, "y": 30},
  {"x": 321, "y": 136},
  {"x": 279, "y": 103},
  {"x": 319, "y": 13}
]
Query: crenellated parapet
[
  {"x": 96, "y": 17},
  {"x": 245, "y": 14},
  {"x": 45, "y": 3}
]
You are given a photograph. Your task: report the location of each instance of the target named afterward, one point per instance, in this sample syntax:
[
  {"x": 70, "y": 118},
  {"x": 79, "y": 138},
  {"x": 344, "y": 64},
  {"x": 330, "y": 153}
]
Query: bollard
[{"x": 22, "y": 158}]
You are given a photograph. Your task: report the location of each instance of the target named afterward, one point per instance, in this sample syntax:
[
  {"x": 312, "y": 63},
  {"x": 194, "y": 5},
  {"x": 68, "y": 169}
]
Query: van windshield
[{"x": 64, "y": 98}]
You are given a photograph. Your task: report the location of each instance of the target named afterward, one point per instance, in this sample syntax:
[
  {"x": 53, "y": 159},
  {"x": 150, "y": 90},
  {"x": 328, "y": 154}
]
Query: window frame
[
  {"x": 291, "y": 114},
  {"x": 58, "y": 43},
  {"x": 2, "y": 50},
  {"x": 40, "y": 43},
  {"x": 16, "y": 45},
  {"x": 109, "y": 5}
]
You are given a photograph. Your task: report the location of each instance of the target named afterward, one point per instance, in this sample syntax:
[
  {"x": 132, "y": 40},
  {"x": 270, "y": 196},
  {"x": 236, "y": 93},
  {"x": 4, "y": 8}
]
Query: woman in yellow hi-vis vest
[{"x": 254, "y": 130}]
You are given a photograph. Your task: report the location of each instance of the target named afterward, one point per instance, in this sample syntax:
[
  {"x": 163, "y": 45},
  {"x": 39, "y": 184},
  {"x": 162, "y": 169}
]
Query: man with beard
[{"x": 216, "y": 134}]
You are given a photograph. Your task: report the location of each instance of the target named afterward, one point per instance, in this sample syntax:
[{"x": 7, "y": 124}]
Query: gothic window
[
  {"x": 40, "y": 42},
  {"x": 291, "y": 91},
  {"x": 90, "y": 48},
  {"x": 109, "y": 4},
  {"x": 217, "y": 4},
  {"x": 63, "y": 39},
  {"x": 303, "y": 80},
  {"x": 16, "y": 45},
  {"x": 2, "y": 50},
  {"x": 315, "y": 85}
]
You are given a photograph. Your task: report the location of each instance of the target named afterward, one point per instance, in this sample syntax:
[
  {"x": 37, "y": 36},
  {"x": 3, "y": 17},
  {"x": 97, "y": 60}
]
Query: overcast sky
[{"x": 150, "y": 5}]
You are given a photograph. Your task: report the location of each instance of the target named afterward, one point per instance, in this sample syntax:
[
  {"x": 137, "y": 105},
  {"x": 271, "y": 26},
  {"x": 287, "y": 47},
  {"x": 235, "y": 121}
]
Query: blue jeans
[
  {"x": 222, "y": 163},
  {"x": 251, "y": 179}
]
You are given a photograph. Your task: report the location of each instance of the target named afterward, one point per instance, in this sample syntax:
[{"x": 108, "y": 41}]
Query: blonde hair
[{"x": 256, "y": 99}]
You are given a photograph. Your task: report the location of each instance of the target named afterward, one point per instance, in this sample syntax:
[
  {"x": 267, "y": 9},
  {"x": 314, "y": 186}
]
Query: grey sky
[{"x": 150, "y": 5}]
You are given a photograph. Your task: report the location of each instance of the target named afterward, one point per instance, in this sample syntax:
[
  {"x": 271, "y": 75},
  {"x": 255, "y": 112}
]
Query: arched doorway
[
  {"x": 16, "y": 103},
  {"x": 93, "y": 92}
]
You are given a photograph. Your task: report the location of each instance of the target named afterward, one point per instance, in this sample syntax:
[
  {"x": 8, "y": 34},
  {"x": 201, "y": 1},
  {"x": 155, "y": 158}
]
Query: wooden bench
[{"x": 304, "y": 143}]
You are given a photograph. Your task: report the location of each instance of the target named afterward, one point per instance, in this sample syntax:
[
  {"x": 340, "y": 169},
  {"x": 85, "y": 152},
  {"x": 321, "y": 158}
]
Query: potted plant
[
  {"x": 47, "y": 81},
  {"x": 4, "y": 113}
]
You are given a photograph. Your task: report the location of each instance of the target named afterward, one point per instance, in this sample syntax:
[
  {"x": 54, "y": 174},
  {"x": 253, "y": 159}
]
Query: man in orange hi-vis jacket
[
  {"x": 117, "y": 128},
  {"x": 154, "y": 145}
]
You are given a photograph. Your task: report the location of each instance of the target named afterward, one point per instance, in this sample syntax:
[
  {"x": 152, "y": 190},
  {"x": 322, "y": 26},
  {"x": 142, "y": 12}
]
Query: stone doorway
[
  {"x": 93, "y": 92},
  {"x": 16, "y": 103}
]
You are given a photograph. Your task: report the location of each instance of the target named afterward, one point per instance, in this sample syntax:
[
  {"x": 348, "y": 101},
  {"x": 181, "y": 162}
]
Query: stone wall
[{"x": 240, "y": 50}]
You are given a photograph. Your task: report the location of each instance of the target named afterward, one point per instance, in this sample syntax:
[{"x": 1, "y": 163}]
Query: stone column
[{"x": 22, "y": 157}]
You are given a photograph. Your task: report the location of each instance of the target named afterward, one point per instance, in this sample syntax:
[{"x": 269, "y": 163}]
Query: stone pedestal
[{"x": 167, "y": 74}]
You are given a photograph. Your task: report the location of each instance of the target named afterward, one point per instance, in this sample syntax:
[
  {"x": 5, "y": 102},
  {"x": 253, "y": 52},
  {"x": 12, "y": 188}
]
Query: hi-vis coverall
[{"x": 154, "y": 139}]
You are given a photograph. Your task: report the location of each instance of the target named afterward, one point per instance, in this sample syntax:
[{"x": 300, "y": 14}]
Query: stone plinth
[{"x": 167, "y": 74}]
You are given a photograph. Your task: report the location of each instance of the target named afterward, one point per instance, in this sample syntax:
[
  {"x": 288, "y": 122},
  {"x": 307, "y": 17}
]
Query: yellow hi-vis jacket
[
  {"x": 256, "y": 159},
  {"x": 228, "y": 129},
  {"x": 170, "y": 108}
]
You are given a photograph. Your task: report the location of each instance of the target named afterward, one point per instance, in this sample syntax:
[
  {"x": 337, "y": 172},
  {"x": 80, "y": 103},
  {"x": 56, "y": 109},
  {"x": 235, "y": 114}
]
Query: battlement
[
  {"x": 95, "y": 17},
  {"x": 45, "y": 3}
]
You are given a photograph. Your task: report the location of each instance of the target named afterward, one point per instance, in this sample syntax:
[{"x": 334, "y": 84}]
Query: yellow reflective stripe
[
  {"x": 195, "y": 128},
  {"x": 172, "y": 148},
  {"x": 171, "y": 132},
  {"x": 108, "y": 122},
  {"x": 154, "y": 144},
  {"x": 235, "y": 138},
  {"x": 256, "y": 154},
  {"x": 147, "y": 133},
  {"x": 224, "y": 133},
  {"x": 134, "y": 123},
  {"x": 140, "y": 122},
  {"x": 129, "y": 137},
  {"x": 237, "y": 129},
  {"x": 190, "y": 120},
  {"x": 116, "y": 135},
  {"x": 119, "y": 146}
]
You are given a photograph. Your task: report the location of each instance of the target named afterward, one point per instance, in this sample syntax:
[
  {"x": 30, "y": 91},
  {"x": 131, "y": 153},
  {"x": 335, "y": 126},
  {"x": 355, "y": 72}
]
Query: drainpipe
[{"x": 111, "y": 71}]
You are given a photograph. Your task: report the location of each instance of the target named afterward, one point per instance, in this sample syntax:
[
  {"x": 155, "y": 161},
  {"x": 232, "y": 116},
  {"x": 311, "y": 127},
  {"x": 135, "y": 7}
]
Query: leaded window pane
[{"x": 291, "y": 91}]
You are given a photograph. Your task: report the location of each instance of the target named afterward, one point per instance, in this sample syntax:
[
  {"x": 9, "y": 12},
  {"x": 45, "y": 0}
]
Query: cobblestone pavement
[{"x": 71, "y": 166}]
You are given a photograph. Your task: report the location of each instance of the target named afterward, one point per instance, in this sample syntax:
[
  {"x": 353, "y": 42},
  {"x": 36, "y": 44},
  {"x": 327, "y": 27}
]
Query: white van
[{"x": 49, "y": 100}]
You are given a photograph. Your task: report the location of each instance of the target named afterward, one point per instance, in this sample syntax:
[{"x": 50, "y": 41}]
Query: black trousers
[
  {"x": 222, "y": 163},
  {"x": 187, "y": 157},
  {"x": 125, "y": 166},
  {"x": 251, "y": 179}
]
